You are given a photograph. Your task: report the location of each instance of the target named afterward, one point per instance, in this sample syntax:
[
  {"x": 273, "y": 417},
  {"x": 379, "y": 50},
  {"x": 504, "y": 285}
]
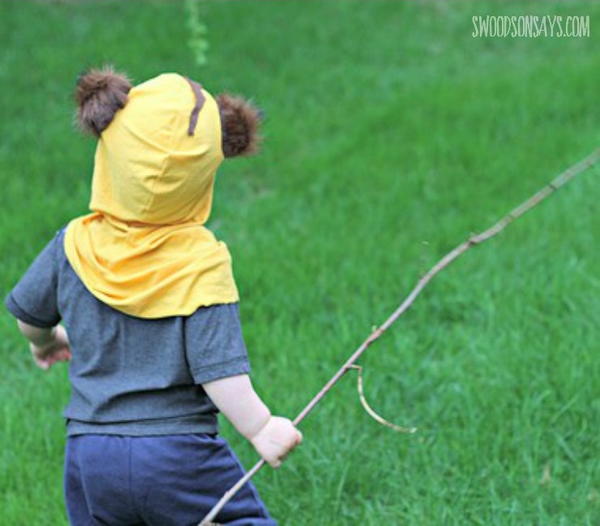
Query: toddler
[{"x": 149, "y": 313}]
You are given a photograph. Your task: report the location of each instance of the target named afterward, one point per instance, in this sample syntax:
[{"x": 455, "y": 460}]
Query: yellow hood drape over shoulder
[{"x": 144, "y": 250}]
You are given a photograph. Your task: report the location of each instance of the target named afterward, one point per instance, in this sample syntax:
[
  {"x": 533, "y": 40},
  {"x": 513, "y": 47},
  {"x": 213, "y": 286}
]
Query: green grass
[{"x": 391, "y": 135}]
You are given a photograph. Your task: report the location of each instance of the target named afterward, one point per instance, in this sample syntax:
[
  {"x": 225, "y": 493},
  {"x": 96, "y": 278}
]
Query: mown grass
[{"x": 391, "y": 134}]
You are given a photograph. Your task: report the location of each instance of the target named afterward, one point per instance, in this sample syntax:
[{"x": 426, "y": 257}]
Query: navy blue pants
[{"x": 169, "y": 480}]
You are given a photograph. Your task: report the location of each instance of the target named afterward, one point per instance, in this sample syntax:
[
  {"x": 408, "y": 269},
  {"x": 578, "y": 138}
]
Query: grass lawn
[{"x": 391, "y": 134}]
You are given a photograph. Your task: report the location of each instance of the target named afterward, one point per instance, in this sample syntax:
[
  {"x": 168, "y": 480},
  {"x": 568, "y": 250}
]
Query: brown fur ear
[
  {"x": 240, "y": 121},
  {"x": 99, "y": 94}
]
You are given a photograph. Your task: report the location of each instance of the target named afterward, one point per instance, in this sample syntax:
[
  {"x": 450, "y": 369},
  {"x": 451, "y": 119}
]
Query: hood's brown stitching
[{"x": 197, "y": 89}]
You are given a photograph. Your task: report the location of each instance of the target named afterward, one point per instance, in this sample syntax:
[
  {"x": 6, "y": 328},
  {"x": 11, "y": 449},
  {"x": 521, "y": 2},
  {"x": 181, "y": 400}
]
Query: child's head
[{"x": 160, "y": 145}]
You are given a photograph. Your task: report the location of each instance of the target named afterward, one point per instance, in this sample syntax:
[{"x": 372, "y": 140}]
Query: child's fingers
[
  {"x": 63, "y": 356},
  {"x": 294, "y": 441},
  {"x": 275, "y": 463},
  {"x": 42, "y": 364},
  {"x": 46, "y": 363}
]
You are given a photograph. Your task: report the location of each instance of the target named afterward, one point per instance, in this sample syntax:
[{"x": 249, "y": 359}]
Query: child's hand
[
  {"x": 273, "y": 437},
  {"x": 57, "y": 349},
  {"x": 276, "y": 439}
]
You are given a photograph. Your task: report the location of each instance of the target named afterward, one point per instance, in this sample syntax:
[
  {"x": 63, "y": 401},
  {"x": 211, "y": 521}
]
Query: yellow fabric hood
[{"x": 144, "y": 250}]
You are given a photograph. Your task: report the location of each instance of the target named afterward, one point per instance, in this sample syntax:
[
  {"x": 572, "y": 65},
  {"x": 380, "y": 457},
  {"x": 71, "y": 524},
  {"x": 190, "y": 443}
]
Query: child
[{"x": 150, "y": 309}]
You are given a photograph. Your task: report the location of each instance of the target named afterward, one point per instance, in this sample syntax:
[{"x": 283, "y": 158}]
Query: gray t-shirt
[{"x": 130, "y": 376}]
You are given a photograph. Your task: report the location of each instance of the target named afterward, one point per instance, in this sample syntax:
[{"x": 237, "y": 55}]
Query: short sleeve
[
  {"x": 214, "y": 343},
  {"x": 33, "y": 300}
]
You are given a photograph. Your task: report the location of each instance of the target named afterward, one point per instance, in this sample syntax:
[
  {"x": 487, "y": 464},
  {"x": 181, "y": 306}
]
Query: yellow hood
[{"x": 144, "y": 249}]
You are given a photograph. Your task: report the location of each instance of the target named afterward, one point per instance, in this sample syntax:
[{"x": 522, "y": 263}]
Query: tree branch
[{"x": 475, "y": 239}]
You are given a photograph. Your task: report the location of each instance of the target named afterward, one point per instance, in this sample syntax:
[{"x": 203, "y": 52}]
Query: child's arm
[
  {"x": 48, "y": 345},
  {"x": 273, "y": 437},
  {"x": 34, "y": 303}
]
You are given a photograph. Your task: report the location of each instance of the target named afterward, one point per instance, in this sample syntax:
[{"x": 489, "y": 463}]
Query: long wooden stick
[{"x": 475, "y": 239}]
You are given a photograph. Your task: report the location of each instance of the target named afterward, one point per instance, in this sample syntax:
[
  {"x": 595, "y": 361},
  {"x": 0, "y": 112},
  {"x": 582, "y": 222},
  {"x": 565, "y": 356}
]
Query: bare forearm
[
  {"x": 236, "y": 399},
  {"x": 36, "y": 335},
  {"x": 47, "y": 346}
]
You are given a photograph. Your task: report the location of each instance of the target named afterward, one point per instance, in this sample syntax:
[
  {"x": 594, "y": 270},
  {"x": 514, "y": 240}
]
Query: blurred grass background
[{"x": 391, "y": 134}]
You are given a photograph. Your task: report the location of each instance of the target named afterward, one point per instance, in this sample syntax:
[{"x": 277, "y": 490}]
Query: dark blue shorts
[{"x": 169, "y": 480}]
